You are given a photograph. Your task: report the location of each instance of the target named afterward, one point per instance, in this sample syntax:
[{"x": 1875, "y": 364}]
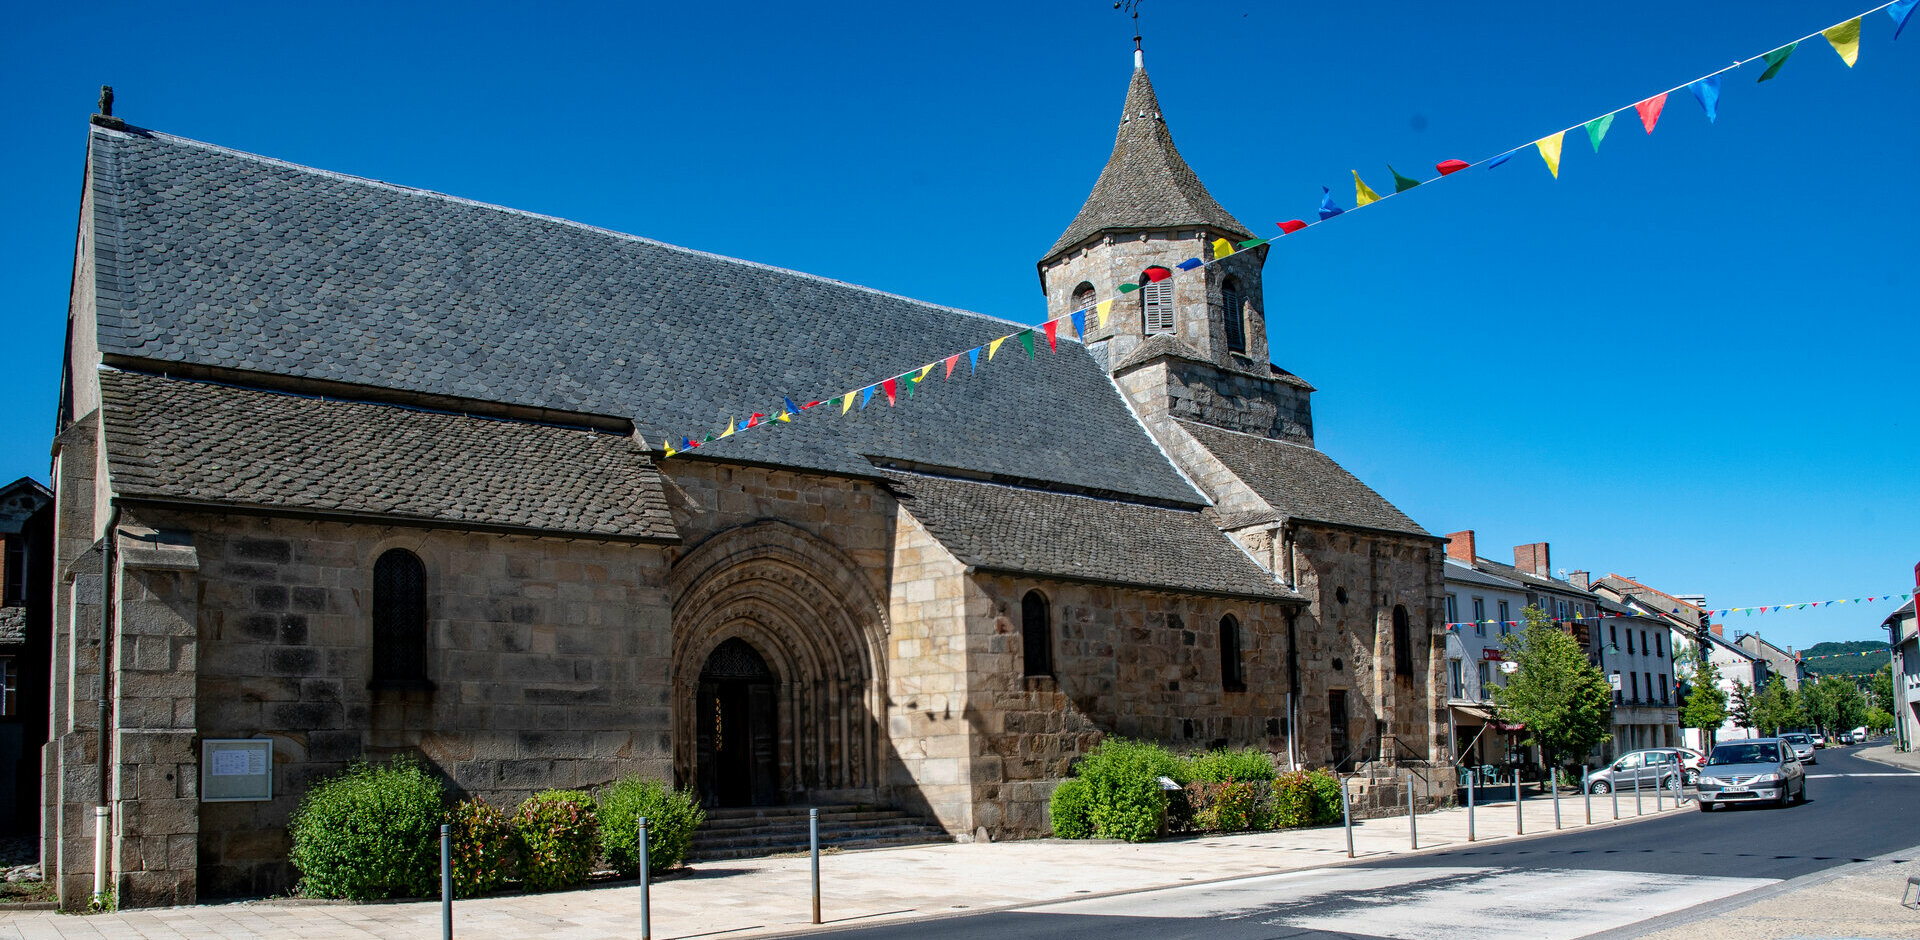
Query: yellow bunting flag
[
  {"x": 923, "y": 372},
  {"x": 1845, "y": 39},
  {"x": 994, "y": 347},
  {"x": 1103, "y": 308},
  {"x": 846, "y": 402},
  {"x": 670, "y": 450},
  {"x": 1222, "y": 248},
  {"x": 729, "y": 431},
  {"x": 1550, "y": 151},
  {"x": 1362, "y": 193}
]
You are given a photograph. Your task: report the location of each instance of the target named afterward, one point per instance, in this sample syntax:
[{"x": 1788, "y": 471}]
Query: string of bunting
[
  {"x": 1844, "y": 37},
  {"x": 1719, "y": 612}
]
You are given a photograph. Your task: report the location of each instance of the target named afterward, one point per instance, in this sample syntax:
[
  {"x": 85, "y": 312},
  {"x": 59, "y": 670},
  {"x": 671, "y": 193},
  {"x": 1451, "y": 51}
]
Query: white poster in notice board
[{"x": 234, "y": 770}]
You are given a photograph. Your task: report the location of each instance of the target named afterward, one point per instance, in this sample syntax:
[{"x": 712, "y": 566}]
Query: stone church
[{"x": 362, "y": 470}]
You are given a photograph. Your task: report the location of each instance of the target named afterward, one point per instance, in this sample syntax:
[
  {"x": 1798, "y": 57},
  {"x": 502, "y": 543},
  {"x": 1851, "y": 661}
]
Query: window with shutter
[
  {"x": 1235, "y": 311},
  {"x": 1157, "y": 305}
]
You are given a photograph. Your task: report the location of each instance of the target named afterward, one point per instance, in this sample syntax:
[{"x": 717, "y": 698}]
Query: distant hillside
[{"x": 1845, "y": 665}]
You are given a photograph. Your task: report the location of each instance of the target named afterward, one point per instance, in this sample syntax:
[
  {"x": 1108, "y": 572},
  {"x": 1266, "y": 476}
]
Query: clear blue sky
[{"x": 1691, "y": 359}]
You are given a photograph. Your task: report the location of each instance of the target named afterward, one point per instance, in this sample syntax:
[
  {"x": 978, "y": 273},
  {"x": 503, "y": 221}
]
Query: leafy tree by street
[
  {"x": 1778, "y": 708},
  {"x": 1741, "y": 708},
  {"x": 1882, "y": 686},
  {"x": 1563, "y": 699},
  {"x": 1706, "y": 704},
  {"x": 1834, "y": 703}
]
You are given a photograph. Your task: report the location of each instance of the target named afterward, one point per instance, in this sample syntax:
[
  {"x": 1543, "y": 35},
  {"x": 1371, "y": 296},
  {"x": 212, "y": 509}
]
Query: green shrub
[
  {"x": 1293, "y": 800},
  {"x": 1123, "y": 788},
  {"x": 1070, "y": 810},
  {"x": 1327, "y": 795},
  {"x": 371, "y": 831},
  {"x": 1222, "y": 766},
  {"x": 557, "y": 832},
  {"x": 672, "y": 816},
  {"x": 483, "y": 847},
  {"x": 1233, "y": 806}
]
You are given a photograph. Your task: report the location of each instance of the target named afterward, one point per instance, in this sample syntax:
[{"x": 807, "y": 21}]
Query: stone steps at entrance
[{"x": 755, "y": 831}]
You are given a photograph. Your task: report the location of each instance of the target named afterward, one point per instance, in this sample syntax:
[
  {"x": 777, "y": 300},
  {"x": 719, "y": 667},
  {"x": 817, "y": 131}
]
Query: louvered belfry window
[
  {"x": 1157, "y": 306},
  {"x": 1236, "y": 316},
  {"x": 399, "y": 617}
]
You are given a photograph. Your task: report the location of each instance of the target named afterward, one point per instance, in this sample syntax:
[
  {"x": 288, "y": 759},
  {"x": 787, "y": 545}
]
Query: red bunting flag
[
  {"x": 950, "y": 361},
  {"x": 889, "y": 386},
  {"x": 808, "y": 405},
  {"x": 1052, "y": 328},
  {"x": 1157, "y": 274},
  {"x": 1650, "y": 110},
  {"x": 1291, "y": 226},
  {"x": 755, "y": 420},
  {"x": 1451, "y": 166}
]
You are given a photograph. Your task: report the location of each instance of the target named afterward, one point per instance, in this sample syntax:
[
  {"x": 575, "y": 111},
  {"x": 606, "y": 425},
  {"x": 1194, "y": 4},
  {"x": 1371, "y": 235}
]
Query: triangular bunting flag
[
  {"x": 1052, "y": 328},
  {"x": 790, "y": 406},
  {"x": 952, "y": 361},
  {"x": 1400, "y": 183},
  {"x": 1450, "y": 167},
  {"x": 1291, "y": 226},
  {"x": 1222, "y": 248},
  {"x": 1189, "y": 264},
  {"x": 1327, "y": 209},
  {"x": 1845, "y": 39},
  {"x": 924, "y": 370},
  {"x": 1550, "y": 151},
  {"x": 1775, "y": 59},
  {"x": 994, "y": 347},
  {"x": 1650, "y": 110},
  {"x": 913, "y": 382},
  {"x": 1362, "y": 193},
  {"x": 1707, "y": 92},
  {"x": 1156, "y": 274},
  {"x": 1124, "y": 289},
  {"x": 1901, "y": 11},
  {"x": 891, "y": 386},
  {"x": 1252, "y": 243},
  {"x": 1026, "y": 339},
  {"x": 846, "y": 402},
  {"x": 973, "y": 360},
  {"x": 1597, "y": 130},
  {"x": 1496, "y": 161},
  {"x": 1080, "y": 324},
  {"x": 729, "y": 431},
  {"x": 866, "y": 395},
  {"x": 670, "y": 451},
  {"x": 1103, "y": 308}
]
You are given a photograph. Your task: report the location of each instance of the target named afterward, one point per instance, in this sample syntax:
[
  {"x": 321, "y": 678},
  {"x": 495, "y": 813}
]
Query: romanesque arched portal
[{"x": 771, "y": 596}]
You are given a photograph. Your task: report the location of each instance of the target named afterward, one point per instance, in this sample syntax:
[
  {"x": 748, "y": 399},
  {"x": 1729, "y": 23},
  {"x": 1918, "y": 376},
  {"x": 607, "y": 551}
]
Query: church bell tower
[{"x": 1194, "y": 344}]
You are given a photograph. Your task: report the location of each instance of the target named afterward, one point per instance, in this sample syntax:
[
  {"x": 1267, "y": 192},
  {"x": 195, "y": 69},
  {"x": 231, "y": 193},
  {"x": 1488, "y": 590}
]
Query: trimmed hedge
[
  {"x": 370, "y": 832},
  {"x": 1117, "y": 793},
  {"x": 558, "y": 833},
  {"x": 1222, "y": 766},
  {"x": 672, "y": 816},
  {"x": 1125, "y": 800}
]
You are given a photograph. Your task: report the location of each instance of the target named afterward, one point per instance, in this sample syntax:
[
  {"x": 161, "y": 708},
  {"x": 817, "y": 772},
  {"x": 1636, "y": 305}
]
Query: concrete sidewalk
[
  {"x": 761, "y": 897},
  {"x": 1888, "y": 754},
  {"x": 1852, "y": 901}
]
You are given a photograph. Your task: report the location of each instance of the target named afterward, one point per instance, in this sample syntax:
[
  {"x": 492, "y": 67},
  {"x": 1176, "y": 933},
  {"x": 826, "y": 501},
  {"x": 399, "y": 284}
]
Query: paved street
[{"x": 1634, "y": 875}]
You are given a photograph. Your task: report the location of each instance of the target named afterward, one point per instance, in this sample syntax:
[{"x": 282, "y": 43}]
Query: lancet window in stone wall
[
  {"x": 1402, "y": 642},
  {"x": 1235, "y": 311},
  {"x": 1233, "y": 676},
  {"x": 399, "y": 618},
  {"x": 1036, "y": 635}
]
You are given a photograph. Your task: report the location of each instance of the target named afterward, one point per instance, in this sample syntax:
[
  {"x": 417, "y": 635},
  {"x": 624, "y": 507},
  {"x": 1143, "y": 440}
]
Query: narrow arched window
[
  {"x": 1402, "y": 642},
  {"x": 1233, "y": 676},
  {"x": 1156, "y": 301},
  {"x": 1082, "y": 297},
  {"x": 399, "y": 617},
  {"x": 1036, "y": 635},
  {"x": 1234, "y": 309}
]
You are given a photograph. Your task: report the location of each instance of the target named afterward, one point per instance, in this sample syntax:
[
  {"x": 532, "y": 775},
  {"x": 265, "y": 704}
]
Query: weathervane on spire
[{"x": 1132, "y": 8}]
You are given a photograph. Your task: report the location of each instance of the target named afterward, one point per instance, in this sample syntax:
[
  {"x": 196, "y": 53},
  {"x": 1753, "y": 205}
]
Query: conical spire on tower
[{"x": 1146, "y": 184}]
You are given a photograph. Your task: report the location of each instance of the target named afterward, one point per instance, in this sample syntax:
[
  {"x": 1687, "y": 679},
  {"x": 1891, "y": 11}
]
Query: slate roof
[
  {"x": 1552, "y": 584},
  {"x": 1145, "y": 183},
  {"x": 201, "y": 442},
  {"x": 13, "y": 626},
  {"x": 1036, "y": 532},
  {"x": 1465, "y": 574},
  {"x": 214, "y": 258},
  {"x": 1301, "y": 481}
]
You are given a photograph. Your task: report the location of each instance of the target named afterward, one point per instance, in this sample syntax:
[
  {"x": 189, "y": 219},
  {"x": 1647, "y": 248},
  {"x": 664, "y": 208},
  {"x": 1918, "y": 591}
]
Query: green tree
[
  {"x": 1882, "y": 686},
  {"x": 1740, "y": 709},
  {"x": 1778, "y": 708},
  {"x": 1706, "y": 704},
  {"x": 1564, "y": 700},
  {"x": 1820, "y": 697},
  {"x": 1879, "y": 720}
]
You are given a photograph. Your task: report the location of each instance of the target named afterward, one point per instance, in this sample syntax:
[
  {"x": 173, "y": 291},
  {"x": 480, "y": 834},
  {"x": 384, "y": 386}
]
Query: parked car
[
  {"x": 1859, "y": 735},
  {"x": 1759, "y": 770},
  {"x": 1802, "y": 745},
  {"x": 1655, "y": 767},
  {"x": 1819, "y": 740},
  {"x": 1690, "y": 761}
]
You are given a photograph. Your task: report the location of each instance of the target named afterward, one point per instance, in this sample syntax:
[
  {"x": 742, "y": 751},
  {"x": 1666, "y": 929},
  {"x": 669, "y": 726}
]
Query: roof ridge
[{"x": 541, "y": 216}]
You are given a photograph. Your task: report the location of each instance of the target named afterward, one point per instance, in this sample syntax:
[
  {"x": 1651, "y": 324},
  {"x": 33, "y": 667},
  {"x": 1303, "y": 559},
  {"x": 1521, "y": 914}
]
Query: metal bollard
[
  {"x": 446, "y": 882},
  {"x": 1553, "y": 780},
  {"x": 1413, "y": 822},
  {"x": 1519, "y": 815},
  {"x": 1346, "y": 815},
  {"x": 1659, "y": 794},
  {"x": 1586, "y": 790},
  {"x": 646, "y": 862},
  {"x": 813, "y": 848},
  {"x": 1470, "y": 776},
  {"x": 1613, "y": 790},
  {"x": 1637, "y": 808}
]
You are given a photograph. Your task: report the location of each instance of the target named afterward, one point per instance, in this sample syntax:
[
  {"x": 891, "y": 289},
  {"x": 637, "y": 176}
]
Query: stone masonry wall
[
  {"x": 931, "y": 721},
  {"x": 1140, "y": 664},
  {"x": 1199, "y": 315}
]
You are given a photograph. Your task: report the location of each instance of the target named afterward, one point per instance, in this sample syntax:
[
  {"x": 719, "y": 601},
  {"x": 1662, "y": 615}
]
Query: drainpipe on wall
[
  {"x": 1293, "y": 697},
  {"x": 103, "y": 813}
]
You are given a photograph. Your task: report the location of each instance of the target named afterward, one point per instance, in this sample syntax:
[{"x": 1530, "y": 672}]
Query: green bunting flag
[
  {"x": 1129, "y": 288},
  {"x": 1597, "y": 130},
  {"x": 1400, "y": 183},
  {"x": 1777, "y": 58},
  {"x": 1026, "y": 339}
]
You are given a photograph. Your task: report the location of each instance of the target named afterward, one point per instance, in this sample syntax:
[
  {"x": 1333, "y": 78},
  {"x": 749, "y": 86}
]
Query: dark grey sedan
[{"x": 1758, "y": 770}]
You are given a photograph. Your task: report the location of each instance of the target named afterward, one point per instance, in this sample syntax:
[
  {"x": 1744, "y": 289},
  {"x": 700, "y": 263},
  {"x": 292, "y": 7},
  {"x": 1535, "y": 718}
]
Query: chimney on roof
[
  {"x": 1719, "y": 630},
  {"x": 1581, "y": 580},
  {"x": 1532, "y": 559},
  {"x": 1460, "y": 546}
]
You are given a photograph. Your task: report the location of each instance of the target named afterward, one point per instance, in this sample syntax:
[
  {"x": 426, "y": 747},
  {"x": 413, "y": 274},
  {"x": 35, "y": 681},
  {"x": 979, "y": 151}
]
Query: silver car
[
  {"x": 1638, "y": 770},
  {"x": 1802, "y": 745},
  {"x": 1760, "y": 770}
]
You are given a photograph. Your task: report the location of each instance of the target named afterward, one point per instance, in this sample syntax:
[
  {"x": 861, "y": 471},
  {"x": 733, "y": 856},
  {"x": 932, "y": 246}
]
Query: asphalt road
[{"x": 1561, "y": 887}]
